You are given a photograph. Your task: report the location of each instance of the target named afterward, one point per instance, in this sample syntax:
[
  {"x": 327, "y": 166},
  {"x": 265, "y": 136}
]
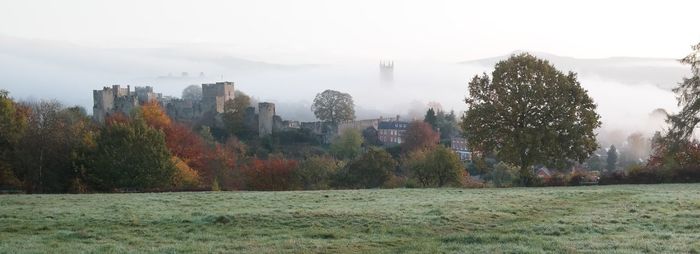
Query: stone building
[
  {"x": 145, "y": 94},
  {"x": 116, "y": 99},
  {"x": 358, "y": 125},
  {"x": 266, "y": 115},
  {"x": 386, "y": 71},
  {"x": 214, "y": 96},
  {"x": 183, "y": 110}
]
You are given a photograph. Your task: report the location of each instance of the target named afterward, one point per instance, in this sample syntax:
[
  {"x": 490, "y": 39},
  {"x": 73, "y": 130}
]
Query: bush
[
  {"x": 371, "y": 170},
  {"x": 273, "y": 174},
  {"x": 398, "y": 182},
  {"x": 348, "y": 145},
  {"x": 185, "y": 178},
  {"x": 437, "y": 167},
  {"x": 316, "y": 172},
  {"x": 504, "y": 175},
  {"x": 473, "y": 183},
  {"x": 615, "y": 177},
  {"x": 556, "y": 179}
]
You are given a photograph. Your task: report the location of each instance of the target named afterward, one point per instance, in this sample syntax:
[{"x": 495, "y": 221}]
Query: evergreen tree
[
  {"x": 431, "y": 118},
  {"x": 612, "y": 158}
]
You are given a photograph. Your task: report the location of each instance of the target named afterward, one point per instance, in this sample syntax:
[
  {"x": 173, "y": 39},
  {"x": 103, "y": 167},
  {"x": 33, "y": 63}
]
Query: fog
[{"x": 37, "y": 69}]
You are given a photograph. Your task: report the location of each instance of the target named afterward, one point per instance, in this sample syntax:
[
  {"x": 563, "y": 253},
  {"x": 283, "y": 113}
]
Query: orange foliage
[
  {"x": 420, "y": 136},
  {"x": 275, "y": 174},
  {"x": 116, "y": 118},
  {"x": 154, "y": 116},
  {"x": 221, "y": 166},
  {"x": 181, "y": 140}
]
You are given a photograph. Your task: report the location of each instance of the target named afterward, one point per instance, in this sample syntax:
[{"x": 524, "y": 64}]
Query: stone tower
[
  {"x": 266, "y": 114},
  {"x": 112, "y": 100},
  {"x": 386, "y": 71},
  {"x": 215, "y": 95}
]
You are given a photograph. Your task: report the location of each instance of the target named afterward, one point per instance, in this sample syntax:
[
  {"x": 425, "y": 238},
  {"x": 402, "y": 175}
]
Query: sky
[
  {"x": 287, "y": 51},
  {"x": 318, "y": 31}
]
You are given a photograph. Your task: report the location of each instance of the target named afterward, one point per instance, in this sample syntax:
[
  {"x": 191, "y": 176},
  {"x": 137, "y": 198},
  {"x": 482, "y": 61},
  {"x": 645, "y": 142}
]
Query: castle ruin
[
  {"x": 207, "y": 111},
  {"x": 266, "y": 115},
  {"x": 116, "y": 99}
]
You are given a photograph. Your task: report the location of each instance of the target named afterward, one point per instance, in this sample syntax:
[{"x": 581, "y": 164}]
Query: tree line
[{"x": 49, "y": 148}]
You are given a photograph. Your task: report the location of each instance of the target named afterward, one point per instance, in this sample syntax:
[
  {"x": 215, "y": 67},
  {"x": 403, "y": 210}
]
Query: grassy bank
[{"x": 623, "y": 219}]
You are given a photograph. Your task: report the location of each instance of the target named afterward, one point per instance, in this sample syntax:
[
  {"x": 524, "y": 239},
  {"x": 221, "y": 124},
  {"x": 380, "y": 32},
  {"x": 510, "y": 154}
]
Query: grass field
[{"x": 622, "y": 219}]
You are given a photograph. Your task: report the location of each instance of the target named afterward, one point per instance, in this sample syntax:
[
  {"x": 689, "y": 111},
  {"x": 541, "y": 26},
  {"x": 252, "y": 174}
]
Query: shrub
[
  {"x": 370, "y": 170},
  {"x": 273, "y": 174},
  {"x": 556, "y": 179},
  {"x": 185, "y": 178},
  {"x": 504, "y": 175},
  {"x": 316, "y": 172},
  {"x": 348, "y": 145},
  {"x": 437, "y": 167},
  {"x": 398, "y": 182},
  {"x": 615, "y": 177}
]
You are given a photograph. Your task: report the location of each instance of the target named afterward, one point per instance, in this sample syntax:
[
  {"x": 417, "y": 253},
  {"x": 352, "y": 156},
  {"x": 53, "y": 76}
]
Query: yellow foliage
[
  {"x": 184, "y": 177},
  {"x": 154, "y": 115}
]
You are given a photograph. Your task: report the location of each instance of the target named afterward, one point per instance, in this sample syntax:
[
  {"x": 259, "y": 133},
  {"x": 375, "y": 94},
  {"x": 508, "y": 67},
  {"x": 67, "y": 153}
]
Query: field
[{"x": 621, "y": 219}]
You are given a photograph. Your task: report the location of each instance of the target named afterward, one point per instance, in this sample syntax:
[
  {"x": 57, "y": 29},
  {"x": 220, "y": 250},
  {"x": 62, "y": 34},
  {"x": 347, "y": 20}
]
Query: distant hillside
[
  {"x": 661, "y": 72},
  {"x": 134, "y": 61}
]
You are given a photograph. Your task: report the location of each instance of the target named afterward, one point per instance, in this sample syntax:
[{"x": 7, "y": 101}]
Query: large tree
[
  {"x": 419, "y": 136},
  {"x": 46, "y": 157},
  {"x": 234, "y": 116},
  {"x": 448, "y": 125},
  {"x": 611, "y": 161},
  {"x": 131, "y": 155},
  {"x": 13, "y": 124},
  {"x": 334, "y": 107},
  {"x": 431, "y": 118},
  {"x": 688, "y": 92},
  {"x": 530, "y": 113},
  {"x": 192, "y": 92}
]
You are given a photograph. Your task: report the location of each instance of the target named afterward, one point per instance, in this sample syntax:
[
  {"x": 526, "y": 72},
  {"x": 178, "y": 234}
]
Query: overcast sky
[{"x": 328, "y": 31}]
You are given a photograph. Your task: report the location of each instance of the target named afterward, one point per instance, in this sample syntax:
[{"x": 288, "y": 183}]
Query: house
[
  {"x": 544, "y": 172},
  {"x": 459, "y": 146},
  {"x": 392, "y": 132}
]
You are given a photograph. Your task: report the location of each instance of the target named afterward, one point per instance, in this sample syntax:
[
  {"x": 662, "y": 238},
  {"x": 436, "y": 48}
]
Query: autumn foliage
[
  {"x": 273, "y": 174},
  {"x": 419, "y": 136},
  {"x": 182, "y": 142}
]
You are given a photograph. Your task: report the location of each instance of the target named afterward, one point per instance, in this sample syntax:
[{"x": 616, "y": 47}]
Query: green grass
[{"x": 610, "y": 219}]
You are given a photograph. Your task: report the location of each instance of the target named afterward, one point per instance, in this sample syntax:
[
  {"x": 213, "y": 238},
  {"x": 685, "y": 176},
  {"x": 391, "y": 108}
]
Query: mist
[{"x": 37, "y": 69}]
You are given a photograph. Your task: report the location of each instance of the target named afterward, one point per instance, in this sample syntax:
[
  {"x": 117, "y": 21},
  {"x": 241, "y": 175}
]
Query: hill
[{"x": 661, "y": 72}]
